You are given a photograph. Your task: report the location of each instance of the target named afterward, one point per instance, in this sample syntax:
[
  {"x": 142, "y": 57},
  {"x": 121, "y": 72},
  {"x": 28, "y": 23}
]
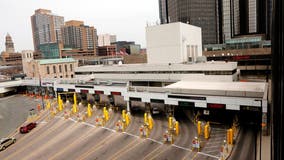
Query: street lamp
[{"x": 40, "y": 87}]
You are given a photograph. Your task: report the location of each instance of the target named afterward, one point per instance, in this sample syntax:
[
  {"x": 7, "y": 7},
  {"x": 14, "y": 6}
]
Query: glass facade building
[
  {"x": 201, "y": 13},
  {"x": 220, "y": 20}
]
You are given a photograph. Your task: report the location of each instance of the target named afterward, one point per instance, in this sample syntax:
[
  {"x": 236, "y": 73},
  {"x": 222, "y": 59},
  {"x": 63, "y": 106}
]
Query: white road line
[
  {"x": 72, "y": 119},
  {"x": 89, "y": 124},
  {"x": 131, "y": 134},
  {"x": 180, "y": 147},
  {"x": 208, "y": 155},
  {"x": 154, "y": 140},
  {"x": 112, "y": 130}
]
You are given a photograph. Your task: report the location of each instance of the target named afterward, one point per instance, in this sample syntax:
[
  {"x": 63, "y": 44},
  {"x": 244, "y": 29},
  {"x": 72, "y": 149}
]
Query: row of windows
[
  {"x": 59, "y": 68},
  {"x": 162, "y": 72}
]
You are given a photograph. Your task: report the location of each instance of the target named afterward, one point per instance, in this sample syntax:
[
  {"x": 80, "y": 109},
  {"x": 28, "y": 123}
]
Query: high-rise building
[
  {"x": 46, "y": 28},
  {"x": 76, "y": 35},
  {"x": 220, "y": 20},
  {"x": 9, "y": 44},
  {"x": 201, "y": 13},
  {"x": 106, "y": 39},
  {"x": 249, "y": 16}
]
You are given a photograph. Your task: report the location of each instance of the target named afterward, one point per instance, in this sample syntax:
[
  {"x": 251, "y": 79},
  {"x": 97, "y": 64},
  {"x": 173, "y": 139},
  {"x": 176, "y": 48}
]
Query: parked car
[
  {"x": 6, "y": 142},
  {"x": 27, "y": 128}
]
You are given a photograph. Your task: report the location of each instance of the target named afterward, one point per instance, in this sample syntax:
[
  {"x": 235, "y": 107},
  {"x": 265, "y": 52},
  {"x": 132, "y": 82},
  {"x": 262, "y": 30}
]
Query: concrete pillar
[{"x": 128, "y": 106}]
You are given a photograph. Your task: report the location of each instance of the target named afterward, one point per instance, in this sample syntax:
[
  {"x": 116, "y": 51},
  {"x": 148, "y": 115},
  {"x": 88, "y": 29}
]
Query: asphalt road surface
[
  {"x": 58, "y": 138},
  {"x": 14, "y": 111}
]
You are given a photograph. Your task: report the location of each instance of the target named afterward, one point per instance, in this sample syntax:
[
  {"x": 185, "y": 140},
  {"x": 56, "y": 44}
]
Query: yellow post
[
  {"x": 230, "y": 136},
  {"x": 150, "y": 119},
  {"x": 59, "y": 101},
  {"x": 199, "y": 128},
  {"x": 75, "y": 98},
  {"x": 170, "y": 122},
  {"x": 145, "y": 118},
  {"x": 123, "y": 114},
  {"x": 74, "y": 108},
  {"x": 89, "y": 110},
  {"x": 48, "y": 105},
  {"x": 206, "y": 131},
  {"x": 177, "y": 127},
  {"x": 106, "y": 113},
  {"x": 127, "y": 119}
]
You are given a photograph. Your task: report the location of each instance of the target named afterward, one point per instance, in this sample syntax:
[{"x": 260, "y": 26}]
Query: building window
[
  {"x": 71, "y": 67},
  {"x": 47, "y": 70},
  {"x": 60, "y": 69},
  {"x": 54, "y": 69},
  {"x": 65, "y": 67}
]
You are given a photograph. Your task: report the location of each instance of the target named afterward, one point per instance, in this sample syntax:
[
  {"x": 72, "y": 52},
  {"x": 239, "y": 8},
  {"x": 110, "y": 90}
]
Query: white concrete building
[
  {"x": 106, "y": 39},
  {"x": 173, "y": 43}
]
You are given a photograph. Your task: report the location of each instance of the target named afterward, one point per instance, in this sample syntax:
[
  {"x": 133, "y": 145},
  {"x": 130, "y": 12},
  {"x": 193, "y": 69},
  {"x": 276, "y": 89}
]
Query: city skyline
[{"x": 104, "y": 17}]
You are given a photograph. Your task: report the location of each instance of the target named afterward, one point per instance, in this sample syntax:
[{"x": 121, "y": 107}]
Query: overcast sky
[{"x": 125, "y": 18}]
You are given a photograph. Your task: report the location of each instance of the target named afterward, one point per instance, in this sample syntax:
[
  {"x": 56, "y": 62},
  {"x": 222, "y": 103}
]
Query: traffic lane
[
  {"x": 187, "y": 131},
  {"x": 172, "y": 153},
  {"x": 37, "y": 139},
  {"x": 13, "y": 112},
  {"x": 114, "y": 117},
  {"x": 29, "y": 137},
  {"x": 159, "y": 127},
  {"x": 136, "y": 121},
  {"x": 143, "y": 149},
  {"x": 86, "y": 146},
  {"x": 71, "y": 149},
  {"x": 110, "y": 147},
  {"x": 245, "y": 145},
  {"x": 60, "y": 141},
  {"x": 198, "y": 156}
]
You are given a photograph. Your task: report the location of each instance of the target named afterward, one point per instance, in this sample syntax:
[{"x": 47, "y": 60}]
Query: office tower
[
  {"x": 220, "y": 20},
  {"x": 76, "y": 35},
  {"x": 250, "y": 17},
  {"x": 46, "y": 29},
  {"x": 106, "y": 39},
  {"x": 201, "y": 13},
  {"x": 9, "y": 44}
]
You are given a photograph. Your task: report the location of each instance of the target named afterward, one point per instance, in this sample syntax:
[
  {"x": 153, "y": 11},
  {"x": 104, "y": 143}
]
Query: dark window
[
  {"x": 187, "y": 97},
  {"x": 65, "y": 67},
  {"x": 47, "y": 70},
  {"x": 60, "y": 69},
  {"x": 71, "y": 67},
  {"x": 54, "y": 69}
]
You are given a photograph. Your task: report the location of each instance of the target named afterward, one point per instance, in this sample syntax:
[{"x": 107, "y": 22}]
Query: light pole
[{"x": 40, "y": 87}]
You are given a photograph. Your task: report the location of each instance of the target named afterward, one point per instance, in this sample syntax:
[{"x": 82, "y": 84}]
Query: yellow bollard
[
  {"x": 48, "y": 105},
  {"x": 127, "y": 119},
  {"x": 150, "y": 119},
  {"x": 206, "y": 131},
  {"x": 199, "y": 128},
  {"x": 230, "y": 136},
  {"x": 177, "y": 127},
  {"x": 106, "y": 115},
  {"x": 74, "y": 108},
  {"x": 89, "y": 110},
  {"x": 75, "y": 98},
  {"x": 145, "y": 118},
  {"x": 170, "y": 123},
  {"x": 123, "y": 114},
  {"x": 59, "y": 101}
]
